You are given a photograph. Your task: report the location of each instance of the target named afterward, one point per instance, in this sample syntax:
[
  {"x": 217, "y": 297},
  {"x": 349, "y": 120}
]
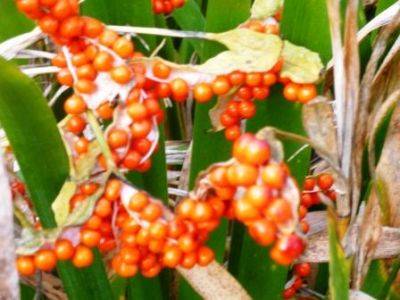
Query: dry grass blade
[
  {"x": 393, "y": 52},
  {"x": 214, "y": 282},
  {"x": 9, "y": 287},
  {"x": 351, "y": 74},
  {"x": 317, "y": 245},
  {"x": 364, "y": 103}
]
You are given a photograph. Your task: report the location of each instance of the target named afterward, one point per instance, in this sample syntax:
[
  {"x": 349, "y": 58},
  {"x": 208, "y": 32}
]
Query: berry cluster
[
  {"x": 166, "y": 6},
  {"x": 314, "y": 186},
  {"x": 300, "y": 271},
  {"x": 253, "y": 189}
]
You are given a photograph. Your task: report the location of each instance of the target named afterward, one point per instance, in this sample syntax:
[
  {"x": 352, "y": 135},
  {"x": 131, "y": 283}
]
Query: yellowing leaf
[
  {"x": 301, "y": 65},
  {"x": 263, "y": 9},
  {"x": 86, "y": 162},
  {"x": 60, "y": 206},
  {"x": 83, "y": 210}
]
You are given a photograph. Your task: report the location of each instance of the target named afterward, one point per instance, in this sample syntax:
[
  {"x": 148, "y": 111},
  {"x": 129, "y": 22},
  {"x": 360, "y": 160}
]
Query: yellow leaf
[
  {"x": 301, "y": 65},
  {"x": 263, "y": 9},
  {"x": 60, "y": 206}
]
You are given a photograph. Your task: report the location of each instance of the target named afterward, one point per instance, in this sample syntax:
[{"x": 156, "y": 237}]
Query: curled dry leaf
[
  {"x": 32, "y": 240},
  {"x": 214, "y": 282},
  {"x": 216, "y": 111},
  {"x": 86, "y": 163},
  {"x": 263, "y": 9},
  {"x": 61, "y": 205},
  {"x": 319, "y": 123},
  {"x": 300, "y": 64}
]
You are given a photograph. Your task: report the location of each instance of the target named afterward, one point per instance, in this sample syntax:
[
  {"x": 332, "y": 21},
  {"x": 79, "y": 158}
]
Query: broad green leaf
[
  {"x": 33, "y": 134},
  {"x": 300, "y": 65},
  {"x": 12, "y": 22},
  {"x": 189, "y": 17},
  {"x": 61, "y": 205},
  {"x": 260, "y": 276},
  {"x": 339, "y": 266},
  {"x": 205, "y": 141},
  {"x": 263, "y": 9}
]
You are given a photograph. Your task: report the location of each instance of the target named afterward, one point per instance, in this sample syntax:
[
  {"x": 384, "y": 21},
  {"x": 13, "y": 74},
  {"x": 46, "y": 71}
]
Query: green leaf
[
  {"x": 12, "y": 22},
  {"x": 339, "y": 266},
  {"x": 250, "y": 263},
  {"x": 205, "y": 141},
  {"x": 33, "y": 134}
]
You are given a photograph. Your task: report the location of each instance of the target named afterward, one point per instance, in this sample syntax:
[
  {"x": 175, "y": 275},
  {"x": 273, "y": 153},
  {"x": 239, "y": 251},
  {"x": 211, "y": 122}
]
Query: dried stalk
[{"x": 9, "y": 287}]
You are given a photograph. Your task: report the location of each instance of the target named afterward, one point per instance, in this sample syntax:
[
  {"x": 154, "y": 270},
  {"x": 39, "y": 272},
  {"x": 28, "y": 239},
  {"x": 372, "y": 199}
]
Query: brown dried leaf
[
  {"x": 216, "y": 111},
  {"x": 214, "y": 283},
  {"x": 319, "y": 123}
]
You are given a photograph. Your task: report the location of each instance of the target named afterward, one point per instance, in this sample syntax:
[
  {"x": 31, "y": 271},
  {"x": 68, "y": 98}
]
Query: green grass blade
[
  {"x": 204, "y": 140},
  {"x": 250, "y": 263},
  {"x": 339, "y": 266},
  {"x": 33, "y": 134}
]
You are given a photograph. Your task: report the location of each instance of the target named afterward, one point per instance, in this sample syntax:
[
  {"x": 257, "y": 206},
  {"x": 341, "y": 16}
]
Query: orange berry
[
  {"x": 151, "y": 272},
  {"x": 59, "y": 61},
  {"x": 309, "y": 184},
  {"x": 108, "y": 38},
  {"x": 176, "y": 228},
  {"x": 117, "y": 138},
  {"x": 185, "y": 208},
  {"x": 93, "y": 223},
  {"x": 62, "y": 9},
  {"x": 125, "y": 270},
  {"x": 189, "y": 260},
  {"x": 86, "y": 71},
  {"x": 123, "y": 47},
  {"x": 273, "y": 175},
  {"x": 218, "y": 177},
  {"x": 48, "y": 24},
  {"x": 83, "y": 257},
  {"x": 306, "y": 93},
  {"x": 152, "y": 212},
  {"x": 90, "y": 238},
  {"x": 91, "y": 51},
  {"x": 130, "y": 255},
  {"x": 263, "y": 232},
  {"x": 172, "y": 257},
  {"x": 105, "y": 111},
  {"x": 76, "y": 124},
  {"x": 121, "y": 74},
  {"x": 81, "y": 146},
  {"x": 138, "y": 201},
  {"x": 158, "y": 230},
  {"x": 92, "y": 27},
  {"x": 258, "y": 195},
  {"x": 137, "y": 111},
  {"x": 45, "y": 260},
  {"x": 141, "y": 129},
  {"x": 242, "y": 175},
  {"x": 254, "y": 79},
  {"x": 205, "y": 256},
  {"x": 64, "y": 249},
  {"x": 269, "y": 79},
  {"x": 232, "y": 133},
  {"x": 64, "y": 77},
  {"x": 245, "y": 211},
  {"x": 237, "y": 78},
  {"x": 303, "y": 269},
  {"x": 71, "y": 27},
  {"x": 103, "y": 62},
  {"x": 26, "y": 266},
  {"x": 221, "y": 86},
  {"x": 85, "y": 86},
  {"x": 202, "y": 92},
  {"x": 291, "y": 91},
  {"x": 260, "y": 92},
  {"x": 187, "y": 243},
  {"x": 279, "y": 211},
  {"x": 103, "y": 208},
  {"x": 75, "y": 105},
  {"x": 325, "y": 181},
  {"x": 179, "y": 89},
  {"x": 202, "y": 212},
  {"x": 132, "y": 160},
  {"x": 247, "y": 109},
  {"x": 161, "y": 70},
  {"x": 113, "y": 190}
]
